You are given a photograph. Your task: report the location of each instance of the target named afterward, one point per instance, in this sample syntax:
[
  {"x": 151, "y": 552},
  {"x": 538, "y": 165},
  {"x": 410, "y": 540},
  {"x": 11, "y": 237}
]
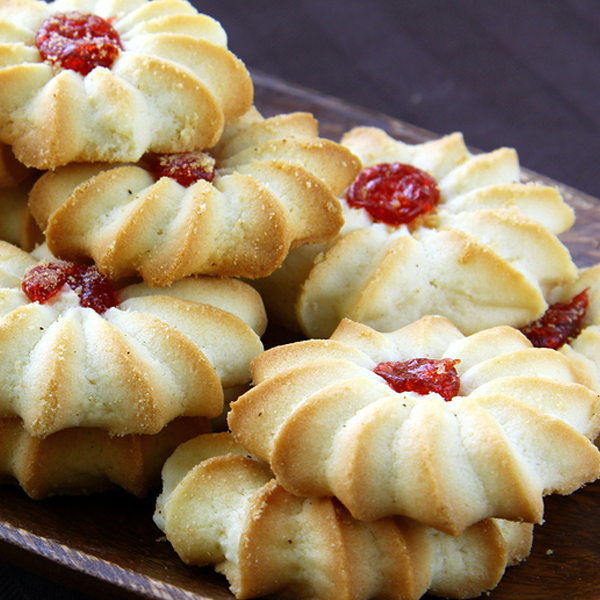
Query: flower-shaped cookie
[
  {"x": 429, "y": 229},
  {"x": 221, "y": 507},
  {"x": 110, "y": 80},
  {"x": 583, "y": 343},
  {"x": 78, "y": 353},
  {"x": 83, "y": 460},
  {"x": 270, "y": 185},
  {"x": 422, "y": 422}
]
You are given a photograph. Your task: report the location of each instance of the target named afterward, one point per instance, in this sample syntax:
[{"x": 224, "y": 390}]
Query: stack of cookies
[
  {"x": 154, "y": 221},
  {"x": 380, "y": 464},
  {"x": 144, "y": 182}
]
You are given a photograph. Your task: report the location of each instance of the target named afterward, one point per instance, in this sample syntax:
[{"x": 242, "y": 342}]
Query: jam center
[
  {"x": 186, "y": 168},
  {"x": 42, "y": 282},
  {"x": 78, "y": 42},
  {"x": 561, "y": 323},
  {"x": 394, "y": 194},
  {"x": 423, "y": 376}
]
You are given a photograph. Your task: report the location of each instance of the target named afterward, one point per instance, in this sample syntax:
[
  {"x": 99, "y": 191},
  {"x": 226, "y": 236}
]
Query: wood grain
[{"x": 106, "y": 545}]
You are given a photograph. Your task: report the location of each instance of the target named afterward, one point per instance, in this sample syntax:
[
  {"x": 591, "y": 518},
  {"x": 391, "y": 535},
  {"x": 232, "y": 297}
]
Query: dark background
[
  {"x": 520, "y": 73},
  {"x": 514, "y": 73}
]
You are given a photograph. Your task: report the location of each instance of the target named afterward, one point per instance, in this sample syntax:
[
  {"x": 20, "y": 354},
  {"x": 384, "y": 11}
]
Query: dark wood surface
[
  {"x": 106, "y": 545},
  {"x": 504, "y": 72}
]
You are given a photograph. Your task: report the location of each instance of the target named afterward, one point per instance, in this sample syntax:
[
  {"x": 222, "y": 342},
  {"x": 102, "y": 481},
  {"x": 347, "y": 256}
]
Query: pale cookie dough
[
  {"x": 221, "y": 507},
  {"x": 160, "y": 353},
  {"x": 486, "y": 256},
  {"x": 275, "y": 188},
  {"x": 519, "y": 427},
  {"x": 172, "y": 87}
]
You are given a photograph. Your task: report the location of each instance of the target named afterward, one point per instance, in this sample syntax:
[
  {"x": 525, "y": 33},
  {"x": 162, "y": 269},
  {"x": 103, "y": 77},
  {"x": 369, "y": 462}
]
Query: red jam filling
[
  {"x": 78, "y": 42},
  {"x": 44, "y": 281},
  {"x": 561, "y": 323},
  {"x": 394, "y": 194},
  {"x": 186, "y": 168},
  {"x": 423, "y": 376}
]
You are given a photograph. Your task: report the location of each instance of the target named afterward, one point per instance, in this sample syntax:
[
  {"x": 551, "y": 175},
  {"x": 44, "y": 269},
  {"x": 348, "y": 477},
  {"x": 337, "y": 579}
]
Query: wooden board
[{"x": 107, "y": 544}]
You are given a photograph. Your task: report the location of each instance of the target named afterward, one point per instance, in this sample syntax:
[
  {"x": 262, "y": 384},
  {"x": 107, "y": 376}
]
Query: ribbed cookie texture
[
  {"x": 486, "y": 256},
  {"x": 584, "y": 350},
  {"x": 172, "y": 87},
  {"x": 520, "y": 427},
  {"x": 221, "y": 507},
  {"x": 84, "y": 460},
  {"x": 275, "y": 187},
  {"x": 161, "y": 353}
]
